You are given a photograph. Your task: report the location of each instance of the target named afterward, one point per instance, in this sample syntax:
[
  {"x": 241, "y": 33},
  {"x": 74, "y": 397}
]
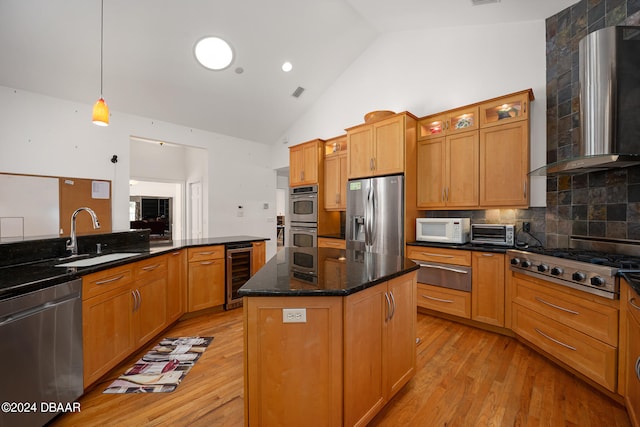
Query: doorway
[{"x": 157, "y": 206}]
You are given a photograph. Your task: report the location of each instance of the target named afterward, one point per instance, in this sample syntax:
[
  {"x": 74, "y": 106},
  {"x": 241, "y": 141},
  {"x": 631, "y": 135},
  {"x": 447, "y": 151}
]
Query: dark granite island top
[{"x": 324, "y": 272}]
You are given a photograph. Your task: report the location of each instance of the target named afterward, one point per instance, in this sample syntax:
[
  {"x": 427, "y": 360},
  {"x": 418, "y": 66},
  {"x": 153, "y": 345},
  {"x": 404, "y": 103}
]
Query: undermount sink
[{"x": 88, "y": 262}]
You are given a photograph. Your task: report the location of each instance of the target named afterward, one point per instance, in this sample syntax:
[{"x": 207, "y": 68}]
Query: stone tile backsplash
[{"x": 598, "y": 204}]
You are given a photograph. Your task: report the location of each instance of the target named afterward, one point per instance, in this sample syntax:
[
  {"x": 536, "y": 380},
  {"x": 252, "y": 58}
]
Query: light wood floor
[{"x": 465, "y": 377}]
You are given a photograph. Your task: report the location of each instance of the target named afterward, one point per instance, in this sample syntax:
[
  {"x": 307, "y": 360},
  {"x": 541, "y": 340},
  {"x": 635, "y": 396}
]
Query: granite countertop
[
  {"x": 326, "y": 272},
  {"x": 25, "y": 277},
  {"x": 464, "y": 246}
]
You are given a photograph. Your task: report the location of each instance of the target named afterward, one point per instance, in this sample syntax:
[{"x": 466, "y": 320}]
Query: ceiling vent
[
  {"x": 481, "y": 2},
  {"x": 296, "y": 93}
]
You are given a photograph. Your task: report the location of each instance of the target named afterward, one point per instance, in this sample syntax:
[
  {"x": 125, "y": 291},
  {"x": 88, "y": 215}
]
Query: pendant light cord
[{"x": 101, "y": 41}]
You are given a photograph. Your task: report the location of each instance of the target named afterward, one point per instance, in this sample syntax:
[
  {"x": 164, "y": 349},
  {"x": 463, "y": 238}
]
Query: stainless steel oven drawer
[{"x": 445, "y": 275}]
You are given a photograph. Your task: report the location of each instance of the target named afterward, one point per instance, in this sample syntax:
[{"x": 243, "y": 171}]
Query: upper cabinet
[
  {"x": 452, "y": 122},
  {"x": 335, "y": 173},
  {"x": 475, "y": 157},
  {"x": 305, "y": 163},
  {"x": 378, "y": 148}
]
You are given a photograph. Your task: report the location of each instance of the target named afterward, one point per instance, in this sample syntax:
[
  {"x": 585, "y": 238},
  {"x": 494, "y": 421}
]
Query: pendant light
[{"x": 100, "y": 108}]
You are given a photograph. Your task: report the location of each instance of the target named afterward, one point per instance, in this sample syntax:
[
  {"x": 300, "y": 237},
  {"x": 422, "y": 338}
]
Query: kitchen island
[{"x": 329, "y": 336}]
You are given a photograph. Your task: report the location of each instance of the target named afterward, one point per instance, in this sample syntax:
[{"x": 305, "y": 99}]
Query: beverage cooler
[{"x": 239, "y": 263}]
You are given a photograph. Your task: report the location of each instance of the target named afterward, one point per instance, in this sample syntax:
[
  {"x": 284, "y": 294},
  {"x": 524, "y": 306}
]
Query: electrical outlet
[
  {"x": 294, "y": 315},
  {"x": 526, "y": 227}
]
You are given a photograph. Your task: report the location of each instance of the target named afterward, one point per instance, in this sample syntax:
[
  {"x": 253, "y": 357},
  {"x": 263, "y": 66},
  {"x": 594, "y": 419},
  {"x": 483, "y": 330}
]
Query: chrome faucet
[{"x": 72, "y": 243}]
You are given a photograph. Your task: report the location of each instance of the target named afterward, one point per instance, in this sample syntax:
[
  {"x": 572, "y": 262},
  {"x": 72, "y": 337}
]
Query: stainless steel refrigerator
[{"x": 375, "y": 215}]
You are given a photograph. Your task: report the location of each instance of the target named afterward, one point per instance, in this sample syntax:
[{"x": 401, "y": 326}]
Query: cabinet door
[
  {"x": 364, "y": 338},
  {"x": 360, "y": 156},
  {"x": 176, "y": 285},
  {"x": 388, "y": 146},
  {"x": 632, "y": 392},
  {"x": 487, "y": 288},
  {"x": 431, "y": 167},
  {"x": 462, "y": 170},
  {"x": 311, "y": 154},
  {"x": 332, "y": 182},
  {"x": 206, "y": 284},
  {"x": 505, "y": 110},
  {"x": 401, "y": 333},
  {"x": 504, "y": 165},
  {"x": 151, "y": 311},
  {"x": 107, "y": 333},
  {"x": 259, "y": 255},
  {"x": 296, "y": 165}
]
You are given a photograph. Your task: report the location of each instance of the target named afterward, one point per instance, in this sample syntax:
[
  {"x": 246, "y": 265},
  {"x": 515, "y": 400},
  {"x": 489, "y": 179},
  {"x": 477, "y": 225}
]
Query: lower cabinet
[
  {"x": 340, "y": 367},
  {"x": 450, "y": 301},
  {"x": 176, "y": 285},
  {"x": 577, "y": 329},
  {"x": 122, "y": 309},
  {"x": 632, "y": 353},
  {"x": 327, "y": 242},
  {"x": 487, "y": 287},
  {"x": 206, "y": 280},
  {"x": 258, "y": 257}
]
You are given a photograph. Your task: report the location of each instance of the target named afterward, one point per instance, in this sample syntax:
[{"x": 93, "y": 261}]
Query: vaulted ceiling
[{"x": 52, "y": 47}]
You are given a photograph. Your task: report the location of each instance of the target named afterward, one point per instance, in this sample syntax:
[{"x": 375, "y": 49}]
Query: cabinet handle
[
  {"x": 438, "y": 255},
  {"x": 441, "y": 267},
  {"x": 151, "y": 267},
  {"x": 555, "y": 340},
  {"x": 393, "y": 305},
  {"x": 487, "y": 255},
  {"x": 206, "y": 262},
  {"x": 638, "y": 368},
  {"x": 111, "y": 280},
  {"x": 525, "y": 189},
  {"x": 139, "y": 298},
  {"x": 447, "y": 193},
  {"x": 443, "y": 194},
  {"x": 556, "y": 306},
  {"x": 206, "y": 253},
  {"x": 388, "y": 316},
  {"x": 175, "y": 253},
  {"x": 135, "y": 300},
  {"x": 438, "y": 299},
  {"x": 631, "y": 301},
  {"x": 524, "y": 106},
  {"x": 302, "y": 176}
]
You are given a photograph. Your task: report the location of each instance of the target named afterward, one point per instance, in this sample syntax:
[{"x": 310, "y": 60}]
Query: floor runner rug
[{"x": 162, "y": 368}]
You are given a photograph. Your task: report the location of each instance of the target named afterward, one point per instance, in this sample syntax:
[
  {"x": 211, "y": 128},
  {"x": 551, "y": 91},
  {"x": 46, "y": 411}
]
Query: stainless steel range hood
[{"x": 609, "y": 67}]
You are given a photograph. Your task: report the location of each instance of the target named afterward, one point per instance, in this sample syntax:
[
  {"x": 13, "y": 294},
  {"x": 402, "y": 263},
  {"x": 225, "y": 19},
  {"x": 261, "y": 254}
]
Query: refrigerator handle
[
  {"x": 372, "y": 217},
  {"x": 368, "y": 223}
]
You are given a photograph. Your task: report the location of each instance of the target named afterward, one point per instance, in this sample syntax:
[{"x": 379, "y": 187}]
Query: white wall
[
  {"x": 49, "y": 136},
  {"x": 428, "y": 71}
]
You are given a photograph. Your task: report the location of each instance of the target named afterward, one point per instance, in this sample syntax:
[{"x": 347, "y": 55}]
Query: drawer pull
[
  {"x": 206, "y": 262},
  {"x": 151, "y": 267},
  {"x": 438, "y": 255},
  {"x": 206, "y": 253},
  {"x": 488, "y": 255},
  {"x": 175, "y": 253},
  {"x": 555, "y": 340},
  {"x": 556, "y": 306},
  {"x": 631, "y": 301},
  {"x": 438, "y": 299},
  {"x": 111, "y": 280}
]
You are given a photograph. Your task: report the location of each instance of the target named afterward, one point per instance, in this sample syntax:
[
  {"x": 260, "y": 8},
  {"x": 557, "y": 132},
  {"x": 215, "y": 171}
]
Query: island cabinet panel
[
  {"x": 258, "y": 257},
  {"x": 176, "y": 285},
  {"x": 293, "y": 362}
]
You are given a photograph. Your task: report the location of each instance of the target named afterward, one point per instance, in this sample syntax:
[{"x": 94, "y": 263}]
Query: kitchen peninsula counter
[{"x": 329, "y": 336}]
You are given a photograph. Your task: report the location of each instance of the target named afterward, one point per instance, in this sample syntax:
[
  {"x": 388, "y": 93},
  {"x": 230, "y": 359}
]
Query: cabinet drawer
[
  {"x": 440, "y": 255},
  {"x": 596, "y": 320},
  {"x": 205, "y": 252},
  {"x": 102, "y": 281},
  {"x": 148, "y": 267},
  {"x": 324, "y": 242},
  {"x": 587, "y": 355},
  {"x": 445, "y": 300}
]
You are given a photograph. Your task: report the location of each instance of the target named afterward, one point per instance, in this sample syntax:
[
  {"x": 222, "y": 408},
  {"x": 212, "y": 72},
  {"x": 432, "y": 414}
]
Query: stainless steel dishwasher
[{"x": 41, "y": 356}]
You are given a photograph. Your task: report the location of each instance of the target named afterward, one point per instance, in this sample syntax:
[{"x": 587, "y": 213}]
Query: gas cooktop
[{"x": 591, "y": 257}]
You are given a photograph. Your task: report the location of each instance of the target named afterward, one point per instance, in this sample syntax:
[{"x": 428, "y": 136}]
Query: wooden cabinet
[
  {"x": 258, "y": 256},
  {"x": 361, "y": 349},
  {"x": 305, "y": 163},
  {"x": 376, "y": 149},
  {"x": 327, "y": 242},
  {"x": 631, "y": 304},
  {"x": 578, "y": 329},
  {"x": 176, "y": 285},
  {"x": 504, "y": 165},
  {"x": 487, "y": 289},
  {"x": 379, "y": 351},
  {"x": 448, "y": 171},
  {"x": 107, "y": 320},
  {"x": 439, "y": 255},
  {"x": 476, "y": 157},
  {"x": 206, "y": 281},
  {"x": 122, "y": 309},
  {"x": 150, "y": 298},
  {"x": 335, "y": 174},
  {"x": 448, "y": 123}
]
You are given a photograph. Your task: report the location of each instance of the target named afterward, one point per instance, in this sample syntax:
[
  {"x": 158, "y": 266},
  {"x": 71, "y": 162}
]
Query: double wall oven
[{"x": 303, "y": 210}]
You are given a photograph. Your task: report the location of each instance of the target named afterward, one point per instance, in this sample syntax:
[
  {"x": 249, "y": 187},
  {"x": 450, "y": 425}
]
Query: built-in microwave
[{"x": 443, "y": 230}]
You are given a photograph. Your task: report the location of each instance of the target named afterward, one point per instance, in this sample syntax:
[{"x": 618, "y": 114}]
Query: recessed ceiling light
[
  {"x": 214, "y": 53},
  {"x": 287, "y": 66}
]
